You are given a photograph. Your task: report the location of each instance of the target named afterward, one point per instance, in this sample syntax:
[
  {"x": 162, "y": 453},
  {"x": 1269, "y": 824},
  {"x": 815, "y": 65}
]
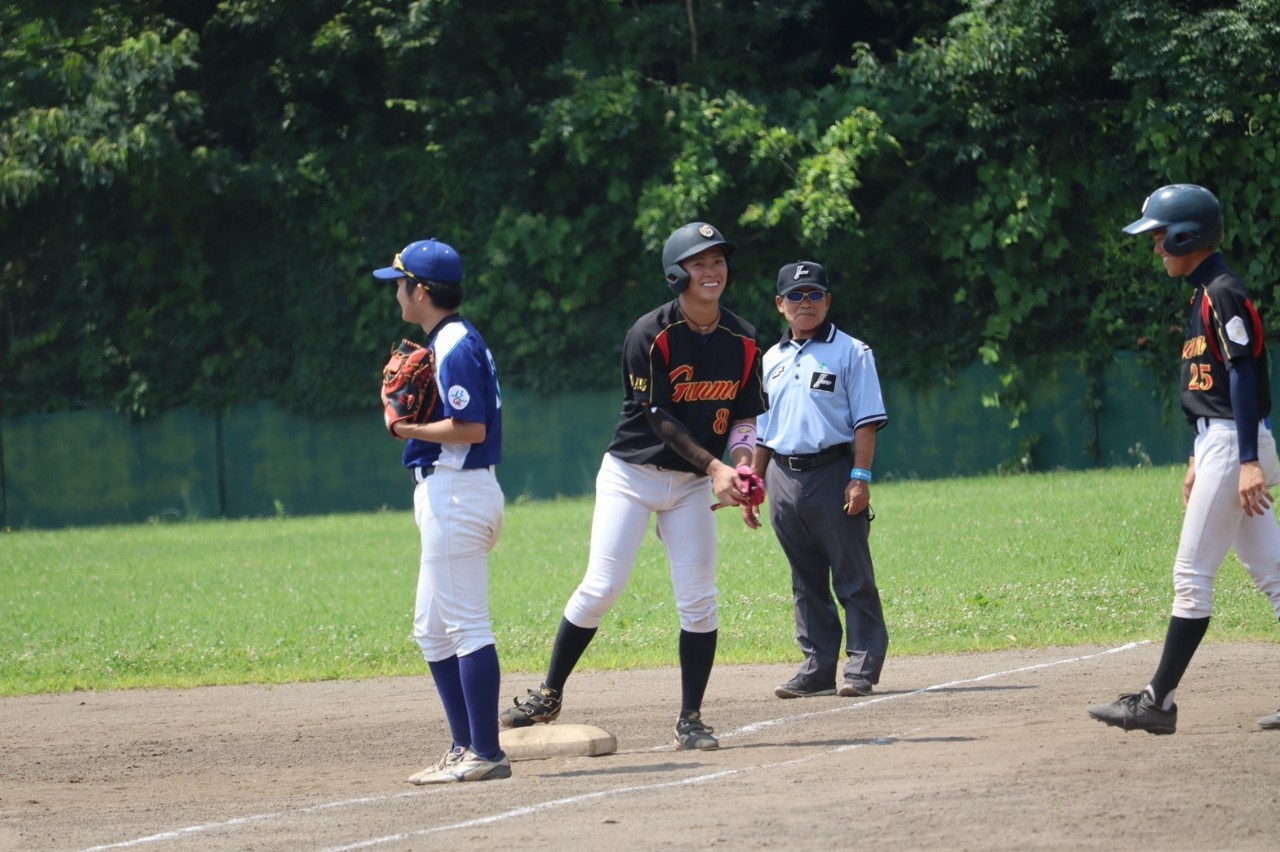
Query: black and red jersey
[
  {"x": 1224, "y": 326},
  {"x": 706, "y": 381}
]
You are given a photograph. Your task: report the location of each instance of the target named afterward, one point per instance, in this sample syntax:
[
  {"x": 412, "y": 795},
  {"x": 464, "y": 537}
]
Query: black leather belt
[
  {"x": 811, "y": 460},
  {"x": 421, "y": 473}
]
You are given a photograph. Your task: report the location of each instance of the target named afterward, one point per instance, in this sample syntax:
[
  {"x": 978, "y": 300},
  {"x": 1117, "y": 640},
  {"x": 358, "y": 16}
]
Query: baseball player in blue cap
[
  {"x": 816, "y": 445},
  {"x": 451, "y": 452},
  {"x": 1226, "y": 397}
]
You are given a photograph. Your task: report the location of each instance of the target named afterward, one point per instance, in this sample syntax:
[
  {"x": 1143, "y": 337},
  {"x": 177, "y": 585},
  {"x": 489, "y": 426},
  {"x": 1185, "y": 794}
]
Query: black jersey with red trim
[
  {"x": 706, "y": 381},
  {"x": 1224, "y": 327}
]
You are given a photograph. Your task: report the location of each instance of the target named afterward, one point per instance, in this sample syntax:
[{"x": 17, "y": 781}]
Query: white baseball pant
[
  {"x": 1215, "y": 522},
  {"x": 626, "y": 495},
  {"x": 459, "y": 515}
]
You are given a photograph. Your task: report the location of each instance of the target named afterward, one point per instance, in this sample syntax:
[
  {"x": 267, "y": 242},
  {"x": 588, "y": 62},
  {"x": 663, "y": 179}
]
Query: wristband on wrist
[{"x": 860, "y": 473}]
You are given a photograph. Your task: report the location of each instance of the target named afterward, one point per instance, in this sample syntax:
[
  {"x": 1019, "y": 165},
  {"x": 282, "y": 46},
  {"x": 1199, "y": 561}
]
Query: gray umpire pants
[{"x": 828, "y": 549}]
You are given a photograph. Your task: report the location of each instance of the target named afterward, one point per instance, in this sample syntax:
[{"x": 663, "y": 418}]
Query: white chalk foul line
[
  {"x": 898, "y": 696},
  {"x": 602, "y": 794},
  {"x": 177, "y": 834}
]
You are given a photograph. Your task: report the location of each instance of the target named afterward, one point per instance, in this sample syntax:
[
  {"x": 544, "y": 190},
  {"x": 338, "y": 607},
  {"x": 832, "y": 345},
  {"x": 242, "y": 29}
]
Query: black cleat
[
  {"x": 692, "y": 733},
  {"x": 1137, "y": 712},
  {"x": 538, "y": 707}
]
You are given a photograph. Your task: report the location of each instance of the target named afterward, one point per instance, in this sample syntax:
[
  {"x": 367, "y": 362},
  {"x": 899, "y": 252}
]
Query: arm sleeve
[
  {"x": 675, "y": 435},
  {"x": 1244, "y": 407}
]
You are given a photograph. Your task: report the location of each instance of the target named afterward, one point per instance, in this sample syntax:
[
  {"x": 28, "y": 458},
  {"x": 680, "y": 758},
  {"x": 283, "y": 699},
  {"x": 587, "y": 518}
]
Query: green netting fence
[{"x": 97, "y": 467}]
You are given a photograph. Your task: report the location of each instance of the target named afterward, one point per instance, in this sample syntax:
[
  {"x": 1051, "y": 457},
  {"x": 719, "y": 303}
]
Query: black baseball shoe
[
  {"x": 538, "y": 707},
  {"x": 1137, "y": 712},
  {"x": 856, "y": 687},
  {"x": 693, "y": 733},
  {"x": 801, "y": 686}
]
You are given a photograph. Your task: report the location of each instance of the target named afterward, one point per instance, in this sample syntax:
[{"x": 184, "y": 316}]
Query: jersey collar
[
  {"x": 1210, "y": 268},
  {"x": 825, "y": 333},
  {"x": 453, "y": 317}
]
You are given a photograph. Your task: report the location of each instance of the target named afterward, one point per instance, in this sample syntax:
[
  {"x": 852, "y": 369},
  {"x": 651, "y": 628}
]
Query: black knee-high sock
[
  {"x": 697, "y": 656},
  {"x": 1180, "y": 644},
  {"x": 571, "y": 641}
]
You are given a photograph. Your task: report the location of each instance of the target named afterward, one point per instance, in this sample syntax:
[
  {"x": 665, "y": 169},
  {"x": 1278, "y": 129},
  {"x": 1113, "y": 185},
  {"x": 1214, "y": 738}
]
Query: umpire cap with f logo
[{"x": 802, "y": 273}]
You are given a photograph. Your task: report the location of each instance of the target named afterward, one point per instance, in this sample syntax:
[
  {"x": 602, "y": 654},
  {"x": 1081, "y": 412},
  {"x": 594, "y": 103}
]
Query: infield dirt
[{"x": 976, "y": 751}]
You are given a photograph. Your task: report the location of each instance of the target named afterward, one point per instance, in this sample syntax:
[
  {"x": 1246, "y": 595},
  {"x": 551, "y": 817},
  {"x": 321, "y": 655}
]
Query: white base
[{"x": 541, "y": 741}]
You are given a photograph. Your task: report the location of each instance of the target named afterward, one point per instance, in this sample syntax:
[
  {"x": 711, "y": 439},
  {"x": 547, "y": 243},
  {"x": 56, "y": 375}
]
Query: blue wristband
[{"x": 860, "y": 473}]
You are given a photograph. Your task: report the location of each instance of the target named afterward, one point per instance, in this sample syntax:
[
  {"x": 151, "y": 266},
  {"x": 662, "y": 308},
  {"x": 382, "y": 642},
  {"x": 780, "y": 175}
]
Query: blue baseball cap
[{"x": 424, "y": 260}]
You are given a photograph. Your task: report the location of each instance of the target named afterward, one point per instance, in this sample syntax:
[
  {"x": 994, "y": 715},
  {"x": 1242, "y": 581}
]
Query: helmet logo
[
  {"x": 800, "y": 272},
  {"x": 707, "y": 231}
]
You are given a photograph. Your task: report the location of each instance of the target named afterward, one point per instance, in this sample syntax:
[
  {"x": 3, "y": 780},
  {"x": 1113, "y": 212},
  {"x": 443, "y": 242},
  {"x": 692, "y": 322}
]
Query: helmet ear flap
[
  {"x": 1175, "y": 238},
  {"x": 677, "y": 278},
  {"x": 1182, "y": 238}
]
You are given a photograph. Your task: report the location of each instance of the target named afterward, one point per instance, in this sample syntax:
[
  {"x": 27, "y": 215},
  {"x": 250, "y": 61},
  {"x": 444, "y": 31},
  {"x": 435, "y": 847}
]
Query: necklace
[{"x": 704, "y": 327}]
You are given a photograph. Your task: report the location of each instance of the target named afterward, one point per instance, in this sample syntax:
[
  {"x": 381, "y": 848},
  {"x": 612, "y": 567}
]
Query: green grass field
[{"x": 963, "y": 565}]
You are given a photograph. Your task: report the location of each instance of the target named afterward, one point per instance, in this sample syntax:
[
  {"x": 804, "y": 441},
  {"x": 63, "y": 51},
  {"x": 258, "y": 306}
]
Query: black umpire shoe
[
  {"x": 856, "y": 687},
  {"x": 1137, "y": 712},
  {"x": 803, "y": 687}
]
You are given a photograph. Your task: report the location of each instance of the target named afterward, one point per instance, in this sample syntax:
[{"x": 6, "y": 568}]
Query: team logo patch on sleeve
[
  {"x": 458, "y": 397},
  {"x": 1237, "y": 331},
  {"x": 821, "y": 381}
]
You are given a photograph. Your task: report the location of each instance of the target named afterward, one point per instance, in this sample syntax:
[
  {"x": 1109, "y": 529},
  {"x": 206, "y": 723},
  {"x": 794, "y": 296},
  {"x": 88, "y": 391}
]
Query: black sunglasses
[{"x": 797, "y": 296}]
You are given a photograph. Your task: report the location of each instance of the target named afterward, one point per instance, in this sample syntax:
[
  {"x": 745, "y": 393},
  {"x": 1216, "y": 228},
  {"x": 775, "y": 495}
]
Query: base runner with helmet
[
  {"x": 1226, "y": 398},
  {"x": 691, "y": 388},
  {"x": 449, "y": 410}
]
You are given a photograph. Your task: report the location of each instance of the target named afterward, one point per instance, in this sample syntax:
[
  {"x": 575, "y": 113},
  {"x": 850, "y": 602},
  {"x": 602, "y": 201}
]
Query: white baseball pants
[
  {"x": 626, "y": 496},
  {"x": 459, "y": 515},
  {"x": 1215, "y": 522}
]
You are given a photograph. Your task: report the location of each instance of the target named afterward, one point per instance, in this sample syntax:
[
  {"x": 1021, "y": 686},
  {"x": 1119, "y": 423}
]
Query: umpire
[{"x": 824, "y": 411}]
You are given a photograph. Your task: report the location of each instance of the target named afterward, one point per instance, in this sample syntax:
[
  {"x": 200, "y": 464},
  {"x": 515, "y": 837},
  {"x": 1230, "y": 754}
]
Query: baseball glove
[{"x": 408, "y": 385}]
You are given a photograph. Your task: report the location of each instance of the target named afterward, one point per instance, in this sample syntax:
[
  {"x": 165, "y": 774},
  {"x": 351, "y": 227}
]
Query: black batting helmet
[
  {"x": 1189, "y": 214},
  {"x": 684, "y": 243}
]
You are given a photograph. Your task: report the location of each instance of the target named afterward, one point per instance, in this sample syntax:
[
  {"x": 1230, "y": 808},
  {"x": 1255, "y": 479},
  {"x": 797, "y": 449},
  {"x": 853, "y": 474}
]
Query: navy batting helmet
[
  {"x": 684, "y": 243},
  {"x": 1189, "y": 214}
]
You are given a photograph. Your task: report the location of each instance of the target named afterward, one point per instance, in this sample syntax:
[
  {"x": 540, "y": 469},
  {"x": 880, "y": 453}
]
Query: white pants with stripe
[
  {"x": 627, "y": 495},
  {"x": 1215, "y": 522}
]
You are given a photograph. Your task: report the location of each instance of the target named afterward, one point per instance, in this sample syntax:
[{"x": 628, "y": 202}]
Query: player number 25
[{"x": 1201, "y": 378}]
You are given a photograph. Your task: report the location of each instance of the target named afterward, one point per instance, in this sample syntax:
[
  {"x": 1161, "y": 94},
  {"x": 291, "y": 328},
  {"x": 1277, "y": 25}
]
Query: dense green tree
[{"x": 192, "y": 192}]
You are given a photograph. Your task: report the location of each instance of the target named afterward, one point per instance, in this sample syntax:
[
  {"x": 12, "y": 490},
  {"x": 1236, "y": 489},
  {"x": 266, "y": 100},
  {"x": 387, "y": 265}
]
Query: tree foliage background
[{"x": 192, "y": 193}]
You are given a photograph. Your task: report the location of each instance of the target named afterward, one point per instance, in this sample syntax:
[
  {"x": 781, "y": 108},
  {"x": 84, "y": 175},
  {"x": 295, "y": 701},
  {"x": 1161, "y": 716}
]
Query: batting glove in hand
[
  {"x": 408, "y": 385},
  {"x": 752, "y": 487},
  {"x": 752, "y": 484}
]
